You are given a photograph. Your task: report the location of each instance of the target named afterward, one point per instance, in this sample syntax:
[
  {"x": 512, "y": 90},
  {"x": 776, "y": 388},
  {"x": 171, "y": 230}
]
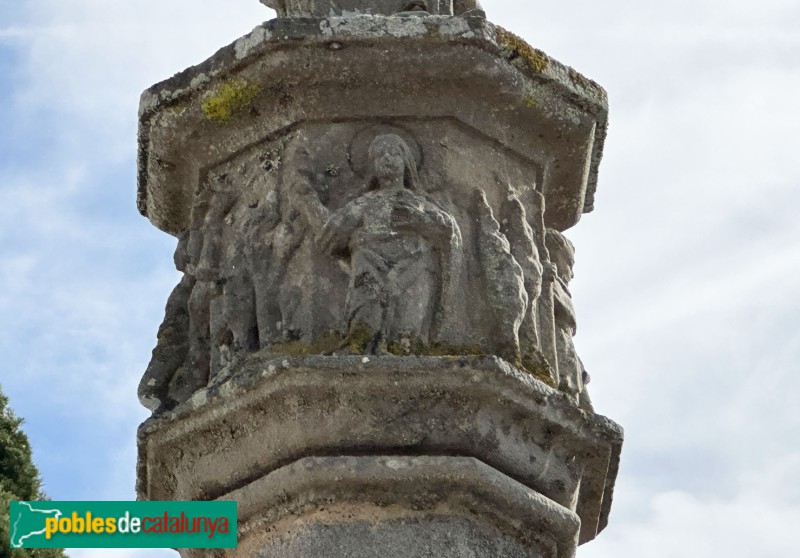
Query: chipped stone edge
[{"x": 259, "y": 367}]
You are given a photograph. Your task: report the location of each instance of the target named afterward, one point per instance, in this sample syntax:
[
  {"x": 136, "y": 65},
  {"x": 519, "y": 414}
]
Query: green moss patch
[
  {"x": 358, "y": 341},
  {"x": 537, "y": 366},
  {"x": 231, "y": 98},
  {"x": 518, "y": 48},
  {"x": 415, "y": 346},
  {"x": 530, "y": 101},
  {"x": 326, "y": 343},
  {"x": 361, "y": 335}
]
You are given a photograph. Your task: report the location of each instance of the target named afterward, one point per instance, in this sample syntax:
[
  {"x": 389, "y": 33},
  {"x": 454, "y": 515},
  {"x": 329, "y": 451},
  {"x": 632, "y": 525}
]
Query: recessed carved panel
[{"x": 404, "y": 237}]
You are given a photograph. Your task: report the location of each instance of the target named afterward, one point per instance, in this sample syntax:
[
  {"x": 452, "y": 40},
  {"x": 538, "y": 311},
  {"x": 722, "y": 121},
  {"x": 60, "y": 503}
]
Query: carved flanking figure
[
  {"x": 570, "y": 368},
  {"x": 504, "y": 282},
  {"x": 170, "y": 353},
  {"x": 522, "y": 239}
]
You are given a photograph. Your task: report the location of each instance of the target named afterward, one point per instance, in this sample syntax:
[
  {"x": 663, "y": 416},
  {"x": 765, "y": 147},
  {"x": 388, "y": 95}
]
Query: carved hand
[
  {"x": 444, "y": 226},
  {"x": 335, "y": 235}
]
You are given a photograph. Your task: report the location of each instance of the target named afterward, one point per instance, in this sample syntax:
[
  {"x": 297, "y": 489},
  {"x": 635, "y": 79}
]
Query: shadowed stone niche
[{"x": 371, "y": 347}]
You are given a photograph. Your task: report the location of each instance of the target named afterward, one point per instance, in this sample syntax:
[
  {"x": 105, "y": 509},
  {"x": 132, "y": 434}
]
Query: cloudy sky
[{"x": 687, "y": 277}]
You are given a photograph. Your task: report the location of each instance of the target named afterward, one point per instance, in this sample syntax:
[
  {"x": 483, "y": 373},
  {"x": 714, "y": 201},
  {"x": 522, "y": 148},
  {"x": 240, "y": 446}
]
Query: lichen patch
[
  {"x": 229, "y": 99},
  {"x": 518, "y": 48}
]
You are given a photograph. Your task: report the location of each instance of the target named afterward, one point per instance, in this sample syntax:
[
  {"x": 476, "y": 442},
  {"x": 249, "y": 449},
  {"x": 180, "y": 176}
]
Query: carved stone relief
[
  {"x": 363, "y": 237},
  {"x": 562, "y": 257},
  {"x": 402, "y": 249}
]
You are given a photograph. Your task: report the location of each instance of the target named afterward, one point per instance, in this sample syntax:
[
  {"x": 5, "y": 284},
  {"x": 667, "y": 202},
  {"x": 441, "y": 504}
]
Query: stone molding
[{"x": 275, "y": 413}]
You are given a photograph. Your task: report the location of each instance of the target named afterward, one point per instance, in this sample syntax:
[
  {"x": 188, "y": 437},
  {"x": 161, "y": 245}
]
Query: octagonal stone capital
[{"x": 291, "y": 72}]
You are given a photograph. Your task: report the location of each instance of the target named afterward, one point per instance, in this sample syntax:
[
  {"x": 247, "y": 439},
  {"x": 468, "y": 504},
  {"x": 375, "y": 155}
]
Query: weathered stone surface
[
  {"x": 400, "y": 506},
  {"x": 362, "y": 69},
  {"x": 274, "y": 412},
  {"x": 296, "y": 246},
  {"x": 261, "y": 157},
  {"x": 371, "y": 345},
  {"x": 326, "y": 8}
]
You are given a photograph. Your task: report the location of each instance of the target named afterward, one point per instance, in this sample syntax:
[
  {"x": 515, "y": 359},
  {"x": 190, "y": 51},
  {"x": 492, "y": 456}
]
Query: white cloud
[
  {"x": 680, "y": 524},
  {"x": 14, "y": 33}
]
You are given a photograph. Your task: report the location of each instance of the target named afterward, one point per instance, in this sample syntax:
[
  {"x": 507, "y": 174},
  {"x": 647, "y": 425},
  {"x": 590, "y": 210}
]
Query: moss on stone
[
  {"x": 582, "y": 81},
  {"x": 534, "y": 363},
  {"x": 445, "y": 349},
  {"x": 326, "y": 343},
  {"x": 433, "y": 29},
  {"x": 232, "y": 97},
  {"x": 417, "y": 347},
  {"x": 398, "y": 349},
  {"x": 518, "y": 48},
  {"x": 579, "y": 78},
  {"x": 530, "y": 101},
  {"x": 359, "y": 338}
]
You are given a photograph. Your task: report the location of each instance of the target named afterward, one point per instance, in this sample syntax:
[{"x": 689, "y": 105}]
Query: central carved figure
[{"x": 402, "y": 248}]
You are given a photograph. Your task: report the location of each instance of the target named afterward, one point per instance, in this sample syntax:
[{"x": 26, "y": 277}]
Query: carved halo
[{"x": 358, "y": 152}]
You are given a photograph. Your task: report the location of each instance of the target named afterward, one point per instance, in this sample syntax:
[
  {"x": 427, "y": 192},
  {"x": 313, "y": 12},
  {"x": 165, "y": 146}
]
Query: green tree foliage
[{"x": 19, "y": 480}]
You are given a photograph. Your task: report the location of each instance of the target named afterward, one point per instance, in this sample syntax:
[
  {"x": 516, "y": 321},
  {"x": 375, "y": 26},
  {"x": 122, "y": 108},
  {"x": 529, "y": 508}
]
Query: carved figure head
[
  {"x": 390, "y": 158},
  {"x": 562, "y": 254}
]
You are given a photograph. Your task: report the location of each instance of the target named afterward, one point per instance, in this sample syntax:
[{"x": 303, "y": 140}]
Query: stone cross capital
[{"x": 325, "y": 8}]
